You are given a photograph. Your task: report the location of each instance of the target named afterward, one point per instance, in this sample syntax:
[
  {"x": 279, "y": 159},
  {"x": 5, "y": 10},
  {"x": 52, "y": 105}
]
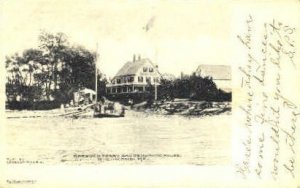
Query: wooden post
[{"x": 155, "y": 91}]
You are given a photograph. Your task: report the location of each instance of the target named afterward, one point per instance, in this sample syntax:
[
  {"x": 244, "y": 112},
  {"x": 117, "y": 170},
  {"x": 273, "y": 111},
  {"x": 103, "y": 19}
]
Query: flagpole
[
  {"x": 155, "y": 84},
  {"x": 96, "y": 78}
]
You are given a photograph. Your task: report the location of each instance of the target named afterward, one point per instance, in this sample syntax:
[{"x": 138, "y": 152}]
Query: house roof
[
  {"x": 87, "y": 91},
  {"x": 131, "y": 68},
  {"x": 217, "y": 72},
  {"x": 168, "y": 76}
]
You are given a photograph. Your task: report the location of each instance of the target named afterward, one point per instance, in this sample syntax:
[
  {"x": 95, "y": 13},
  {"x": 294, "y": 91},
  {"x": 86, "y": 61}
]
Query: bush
[
  {"x": 38, "y": 105},
  {"x": 194, "y": 88},
  {"x": 135, "y": 97}
]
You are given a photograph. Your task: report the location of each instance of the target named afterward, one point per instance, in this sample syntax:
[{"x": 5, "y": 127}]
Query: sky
[{"x": 176, "y": 35}]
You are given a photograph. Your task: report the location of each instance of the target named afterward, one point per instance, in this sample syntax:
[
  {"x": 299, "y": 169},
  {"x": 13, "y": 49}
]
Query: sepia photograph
[{"x": 128, "y": 100}]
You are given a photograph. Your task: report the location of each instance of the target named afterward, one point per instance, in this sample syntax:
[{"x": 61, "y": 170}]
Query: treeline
[
  {"x": 51, "y": 72},
  {"x": 45, "y": 77},
  {"x": 192, "y": 87}
]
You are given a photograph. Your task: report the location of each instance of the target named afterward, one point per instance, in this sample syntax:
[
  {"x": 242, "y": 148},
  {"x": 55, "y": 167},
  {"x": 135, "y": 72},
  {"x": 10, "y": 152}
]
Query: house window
[
  {"x": 150, "y": 69},
  {"x": 138, "y": 89},
  {"x": 118, "y": 81},
  {"x": 156, "y": 80},
  {"x": 148, "y": 79},
  {"x": 145, "y": 69},
  {"x": 118, "y": 90},
  {"x": 131, "y": 79},
  {"x": 140, "y": 79},
  {"x": 113, "y": 90}
]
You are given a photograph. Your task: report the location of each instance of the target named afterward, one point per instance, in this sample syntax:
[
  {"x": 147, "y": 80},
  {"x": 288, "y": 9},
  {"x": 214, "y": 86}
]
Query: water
[{"x": 159, "y": 139}]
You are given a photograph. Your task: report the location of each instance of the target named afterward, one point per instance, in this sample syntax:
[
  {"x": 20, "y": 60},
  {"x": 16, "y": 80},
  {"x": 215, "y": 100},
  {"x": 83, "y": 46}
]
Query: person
[
  {"x": 62, "y": 108},
  {"x": 98, "y": 107},
  {"x": 123, "y": 111},
  {"x": 130, "y": 102},
  {"x": 71, "y": 103}
]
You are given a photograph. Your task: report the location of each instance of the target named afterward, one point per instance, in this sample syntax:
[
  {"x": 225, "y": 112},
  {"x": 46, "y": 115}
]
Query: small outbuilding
[
  {"x": 221, "y": 75},
  {"x": 84, "y": 95}
]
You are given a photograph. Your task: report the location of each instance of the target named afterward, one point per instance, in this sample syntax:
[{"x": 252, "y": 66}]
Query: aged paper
[{"x": 187, "y": 93}]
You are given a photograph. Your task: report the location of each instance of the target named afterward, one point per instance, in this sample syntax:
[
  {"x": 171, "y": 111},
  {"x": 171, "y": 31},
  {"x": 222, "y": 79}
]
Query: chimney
[
  {"x": 133, "y": 57},
  {"x": 139, "y": 58}
]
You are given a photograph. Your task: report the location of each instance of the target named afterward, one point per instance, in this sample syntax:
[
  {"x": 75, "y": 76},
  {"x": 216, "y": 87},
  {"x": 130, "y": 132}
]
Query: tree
[
  {"x": 20, "y": 75},
  {"x": 166, "y": 89},
  {"x": 54, "y": 70},
  {"x": 203, "y": 88},
  {"x": 191, "y": 87},
  {"x": 53, "y": 46},
  {"x": 77, "y": 69}
]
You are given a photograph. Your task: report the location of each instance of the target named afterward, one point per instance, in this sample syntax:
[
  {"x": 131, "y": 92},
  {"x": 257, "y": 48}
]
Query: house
[
  {"x": 221, "y": 75},
  {"x": 168, "y": 76},
  {"x": 134, "y": 77}
]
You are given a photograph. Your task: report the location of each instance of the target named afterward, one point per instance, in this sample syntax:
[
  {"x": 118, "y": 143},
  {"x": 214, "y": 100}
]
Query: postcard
[{"x": 150, "y": 93}]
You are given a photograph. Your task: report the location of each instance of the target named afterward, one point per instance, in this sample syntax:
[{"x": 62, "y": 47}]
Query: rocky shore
[{"x": 185, "y": 108}]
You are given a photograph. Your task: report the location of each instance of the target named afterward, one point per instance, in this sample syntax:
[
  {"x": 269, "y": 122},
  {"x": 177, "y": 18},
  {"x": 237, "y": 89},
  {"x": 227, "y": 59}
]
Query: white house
[
  {"x": 134, "y": 77},
  {"x": 221, "y": 75}
]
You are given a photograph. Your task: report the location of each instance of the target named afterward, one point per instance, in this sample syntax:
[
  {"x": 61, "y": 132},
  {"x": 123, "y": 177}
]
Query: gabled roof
[
  {"x": 217, "y": 72},
  {"x": 87, "y": 90},
  {"x": 168, "y": 76},
  {"x": 131, "y": 68}
]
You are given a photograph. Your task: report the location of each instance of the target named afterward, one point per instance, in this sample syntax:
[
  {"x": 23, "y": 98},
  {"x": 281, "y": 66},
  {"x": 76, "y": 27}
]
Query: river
[{"x": 138, "y": 138}]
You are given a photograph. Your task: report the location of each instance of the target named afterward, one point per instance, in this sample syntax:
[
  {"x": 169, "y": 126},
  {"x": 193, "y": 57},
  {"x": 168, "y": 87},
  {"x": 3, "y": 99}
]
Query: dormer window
[
  {"x": 145, "y": 69},
  {"x": 151, "y": 69}
]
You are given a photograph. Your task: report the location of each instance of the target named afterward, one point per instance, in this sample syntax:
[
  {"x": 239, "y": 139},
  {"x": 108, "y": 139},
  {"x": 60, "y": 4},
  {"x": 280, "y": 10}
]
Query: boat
[
  {"x": 103, "y": 115},
  {"x": 108, "y": 109},
  {"x": 104, "y": 108}
]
